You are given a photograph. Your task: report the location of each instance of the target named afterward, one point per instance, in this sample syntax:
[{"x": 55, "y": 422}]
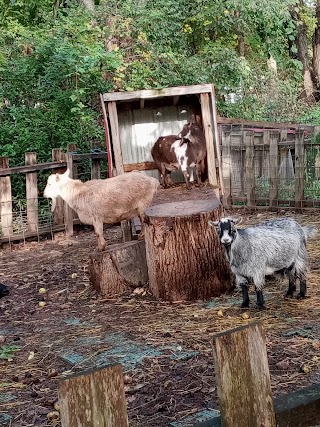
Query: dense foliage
[{"x": 57, "y": 56}]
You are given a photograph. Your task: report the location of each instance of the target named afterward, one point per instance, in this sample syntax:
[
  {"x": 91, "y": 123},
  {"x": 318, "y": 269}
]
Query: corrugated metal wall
[{"x": 139, "y": 130}]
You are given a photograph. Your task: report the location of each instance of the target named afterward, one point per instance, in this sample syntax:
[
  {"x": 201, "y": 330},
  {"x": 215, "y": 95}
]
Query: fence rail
[{"x": 32, "y": 217}]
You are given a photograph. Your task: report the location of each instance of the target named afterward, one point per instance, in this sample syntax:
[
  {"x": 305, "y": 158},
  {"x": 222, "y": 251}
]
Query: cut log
[
  {"x": 184, "y": 256},
  {"x": 119, "y": 268},
  {"x": 94, "y": 399},
  {"x": 243, "y": 379}
]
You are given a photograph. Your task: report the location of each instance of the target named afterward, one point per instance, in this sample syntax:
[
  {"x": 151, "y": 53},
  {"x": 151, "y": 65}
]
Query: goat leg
[
  {"x": 186, "y": 177},
  {"x": 303, "y": 288},
  {"x": 245, "y": 295},
  {"x": 199, "y": 172},
  {"x": 260, "y": 299},
  {"x": 291, "y": 272},
  {"x": 98, "y": 228}
]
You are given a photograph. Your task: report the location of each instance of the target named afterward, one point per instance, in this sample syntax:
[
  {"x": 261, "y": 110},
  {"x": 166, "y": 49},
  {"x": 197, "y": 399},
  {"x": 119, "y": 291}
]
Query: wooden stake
[
  {"x": 5, "y": 200},
  {"x": 32, "y": 193},
  {"x": 272, "y": 140},
  {"x": 68, "y": 212},
  {"x": 94, "y": 399},
  {"x": 250, "y": 181},
  {"x": 243, "y": 379},
  {"x": 58, "y": 214},
  {"x": 299, "y": 170},
  {"x": 226, "y": 168}
]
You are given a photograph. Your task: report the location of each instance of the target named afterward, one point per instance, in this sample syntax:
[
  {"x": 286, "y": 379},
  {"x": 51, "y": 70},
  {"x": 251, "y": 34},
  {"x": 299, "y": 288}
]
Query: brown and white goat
[
  {"x": 104, "y": 201},
  {"x": 184, "y": 151}
]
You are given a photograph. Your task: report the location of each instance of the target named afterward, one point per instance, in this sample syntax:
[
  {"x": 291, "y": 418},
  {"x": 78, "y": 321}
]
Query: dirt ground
[{"x": 163, "y": 387}]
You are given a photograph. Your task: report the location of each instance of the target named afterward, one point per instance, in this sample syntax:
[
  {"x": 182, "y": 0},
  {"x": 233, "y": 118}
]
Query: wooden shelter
[{"x": 134, "y": 120}]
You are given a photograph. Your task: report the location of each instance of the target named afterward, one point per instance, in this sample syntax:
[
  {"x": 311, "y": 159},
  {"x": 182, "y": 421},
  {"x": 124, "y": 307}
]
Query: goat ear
[
  {"x": 192, "y": 119},
  {"x": 67, "y": 172},
  {"x": 213, "y": 223},
  {"x": 238, "y": 220}
]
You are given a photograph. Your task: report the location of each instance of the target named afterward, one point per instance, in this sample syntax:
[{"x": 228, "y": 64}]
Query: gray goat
[{"x": 275, "y": 246}]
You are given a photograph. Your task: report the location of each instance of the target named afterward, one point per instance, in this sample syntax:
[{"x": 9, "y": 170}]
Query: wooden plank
[
  {"x": 5, "y": 200},
  {"x": 249, "y": 174},
  {"x": 94, "y": 399},
  {"x": 58, "y": 214},
  {"x": 116, "y": 143},
  {"x": 32, "y": 168},
  {"x": 143, "y": 166},
  {"x": 243, "y": 379},
  {"x": 68, "y": 212},
  {"x": 156, "y": 93},
  {"x": 216, "y": 137},
  {"x": 95, "y": 163},
  {"x": 207, "y": 127},
  {"x": 267, "y": 125},
  {"x": 72, "y": 149},
  {"x": 107, "y": 135},
  {"x": 272, "y": 140},
  {"x": 32, "y": 193},
  {"x": 226, "y": 168},
  {"x": 299, "y": 170}
]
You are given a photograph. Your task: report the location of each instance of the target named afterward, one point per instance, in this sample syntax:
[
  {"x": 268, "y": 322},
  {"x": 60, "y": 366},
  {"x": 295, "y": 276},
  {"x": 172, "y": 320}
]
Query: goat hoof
[
  {"x": 245, "y": 305},
  {"x": 288, "y": 295},
  {"x": 260, "y": 307},
  {"x": 301, "y": 296}
]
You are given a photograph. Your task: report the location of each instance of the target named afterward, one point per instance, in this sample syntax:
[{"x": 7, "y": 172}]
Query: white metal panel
[{"x": 139, "y": 130}]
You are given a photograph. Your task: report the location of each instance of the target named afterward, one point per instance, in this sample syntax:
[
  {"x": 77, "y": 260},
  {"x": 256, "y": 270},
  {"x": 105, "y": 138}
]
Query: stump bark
[
  {"x": 119, "y": 268},
  {"x": 184, "y": 256}
]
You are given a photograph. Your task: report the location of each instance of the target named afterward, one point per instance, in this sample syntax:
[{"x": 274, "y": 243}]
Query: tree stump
[
  {"x": 119, "y": 268},
  {"x": 184, "y": 256}
]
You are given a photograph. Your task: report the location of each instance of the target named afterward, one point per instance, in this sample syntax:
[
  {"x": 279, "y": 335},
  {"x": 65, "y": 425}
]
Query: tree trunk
[
  {"x": 120, "y": 268},
  {"x": 302, "y": 52},
  {"x": 316, "y": 47},
  {"x": 184, "y": 256}
]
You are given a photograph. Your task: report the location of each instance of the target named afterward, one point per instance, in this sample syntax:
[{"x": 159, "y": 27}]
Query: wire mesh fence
[{"x": 275, "y": 168}]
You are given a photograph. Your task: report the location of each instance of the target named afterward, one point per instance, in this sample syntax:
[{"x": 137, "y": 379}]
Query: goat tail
[{"x": 310, "y": 231}]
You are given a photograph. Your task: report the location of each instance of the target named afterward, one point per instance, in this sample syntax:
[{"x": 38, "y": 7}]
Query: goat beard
[{"x": 53, "y": 205}]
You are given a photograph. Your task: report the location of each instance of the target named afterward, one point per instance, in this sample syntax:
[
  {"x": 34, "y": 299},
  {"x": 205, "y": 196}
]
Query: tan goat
[{"x": 104, "y": 201}]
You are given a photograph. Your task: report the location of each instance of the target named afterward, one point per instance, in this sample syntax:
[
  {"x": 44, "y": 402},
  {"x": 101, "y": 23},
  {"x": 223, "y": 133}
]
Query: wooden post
[
  {"x": 243, "y": 379},
  {"x": 299, "y": 170},
  {"x": 32, "y": 193},
  {"x": 207, "y": 127},
  {"x": 272, "y": 140},
  {"x": 226, "y": 168},
  {"x": 68, "y": 212},
  {"x": 94, "y": 399},
  {"x": 5, "y": 200},
  {"x": 250, "y": 175},
  {"x": 58, "y": 214},
  {"x": 95, "y": 163},
  {"x": 73, "y": 148},
  {"x": 184, "y": 256},
  {"x": 116, "y": 143}
]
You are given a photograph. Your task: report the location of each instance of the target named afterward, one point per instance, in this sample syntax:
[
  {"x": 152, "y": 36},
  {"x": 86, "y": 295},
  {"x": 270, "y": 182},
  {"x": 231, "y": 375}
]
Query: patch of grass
[{"x": 7, "y": 351}]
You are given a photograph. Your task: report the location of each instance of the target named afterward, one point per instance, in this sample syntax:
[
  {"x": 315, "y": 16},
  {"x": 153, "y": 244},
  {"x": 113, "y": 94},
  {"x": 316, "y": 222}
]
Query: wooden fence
[
  {"x": 270, "y": 165},
  {"x": 22, "y": 220}
]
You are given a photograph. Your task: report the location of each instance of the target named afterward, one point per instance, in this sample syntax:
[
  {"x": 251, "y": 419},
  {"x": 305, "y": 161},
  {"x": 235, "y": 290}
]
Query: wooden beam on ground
[
  {"x": 94, "y": 399},
  {"x": 32, "y": 193},
  {"x": 243, "y": 379}
]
